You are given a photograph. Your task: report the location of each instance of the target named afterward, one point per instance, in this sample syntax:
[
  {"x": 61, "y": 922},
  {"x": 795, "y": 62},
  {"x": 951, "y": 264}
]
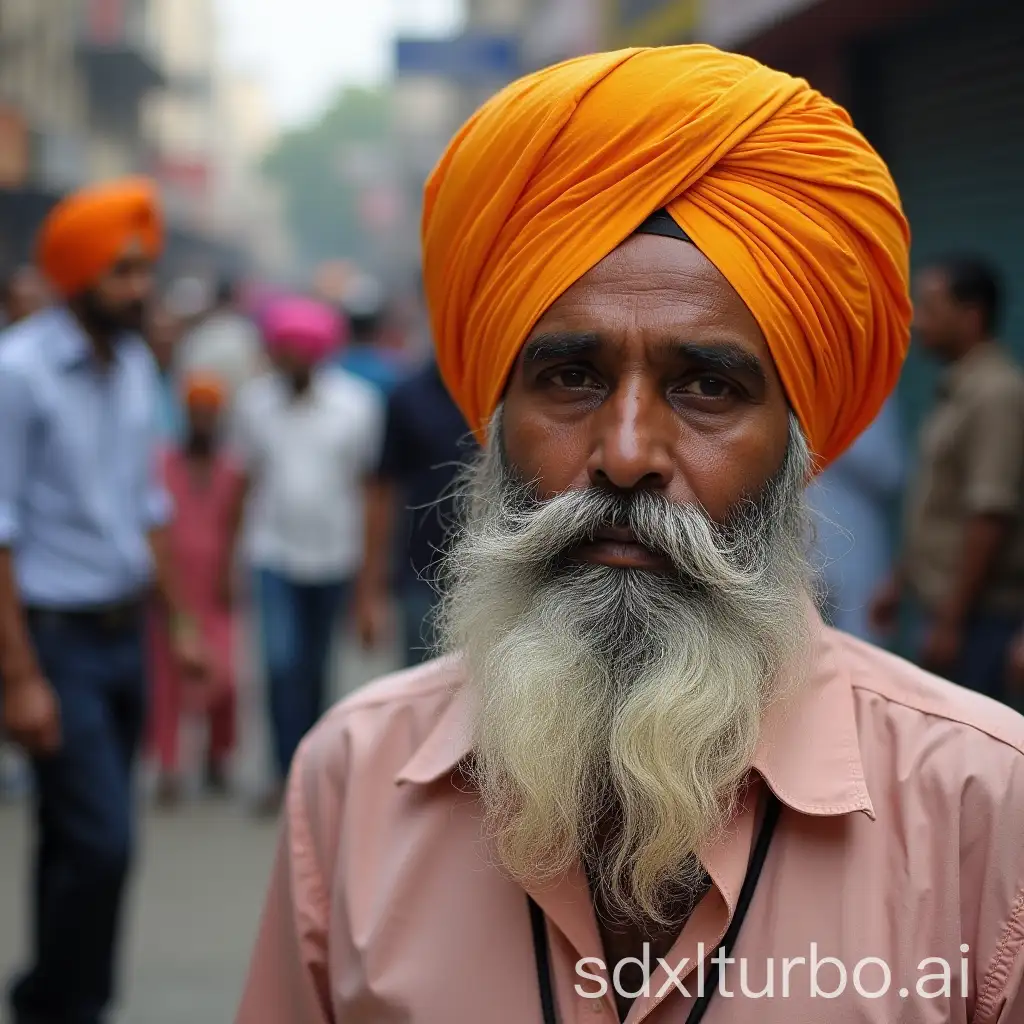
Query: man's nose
[{"x": 634, "y": 441}]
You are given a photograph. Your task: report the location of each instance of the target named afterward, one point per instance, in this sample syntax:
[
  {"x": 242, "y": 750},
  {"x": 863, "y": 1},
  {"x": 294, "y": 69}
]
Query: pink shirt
[{"x": 901, "y": 838}]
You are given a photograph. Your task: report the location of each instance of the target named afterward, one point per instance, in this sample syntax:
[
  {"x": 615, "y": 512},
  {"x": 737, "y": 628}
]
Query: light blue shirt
[
  {"x": 853, "y": 500},
  {"x": 79, "y": 488}
]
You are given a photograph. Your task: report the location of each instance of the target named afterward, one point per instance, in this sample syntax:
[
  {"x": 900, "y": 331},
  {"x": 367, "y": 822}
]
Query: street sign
[{"x": 468, "y": 58}]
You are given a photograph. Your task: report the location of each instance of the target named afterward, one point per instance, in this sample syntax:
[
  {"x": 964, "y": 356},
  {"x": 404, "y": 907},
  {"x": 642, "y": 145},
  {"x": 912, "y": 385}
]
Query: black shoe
[{"x": 216, "y": 780}]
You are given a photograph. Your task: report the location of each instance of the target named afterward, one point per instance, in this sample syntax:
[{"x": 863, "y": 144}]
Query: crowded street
[{"x": 511, "y": 511}]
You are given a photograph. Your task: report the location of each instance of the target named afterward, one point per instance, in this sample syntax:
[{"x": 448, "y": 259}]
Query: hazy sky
[{"x": 303, "y": 50}]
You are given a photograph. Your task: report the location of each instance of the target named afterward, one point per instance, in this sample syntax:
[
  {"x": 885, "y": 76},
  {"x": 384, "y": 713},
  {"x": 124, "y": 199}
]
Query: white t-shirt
[{"x": 308, "y": 456}]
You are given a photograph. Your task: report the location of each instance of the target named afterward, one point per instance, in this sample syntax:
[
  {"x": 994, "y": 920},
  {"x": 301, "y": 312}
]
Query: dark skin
[
  {"x": 648, "y": 373},
  {"x": 116, "y": 303},
  {"x": 948, "y": 330}
]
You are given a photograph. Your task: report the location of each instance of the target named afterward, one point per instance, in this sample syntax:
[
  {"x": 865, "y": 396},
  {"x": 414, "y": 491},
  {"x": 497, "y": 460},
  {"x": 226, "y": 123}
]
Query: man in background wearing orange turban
[
  {"x": 83, "y": 542},
  {"x": 667, "y": 286}
]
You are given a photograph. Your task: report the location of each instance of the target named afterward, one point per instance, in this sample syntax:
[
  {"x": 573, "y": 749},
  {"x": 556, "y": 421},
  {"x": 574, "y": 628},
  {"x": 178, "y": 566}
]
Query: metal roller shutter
[{"x": 946, "y": 109}]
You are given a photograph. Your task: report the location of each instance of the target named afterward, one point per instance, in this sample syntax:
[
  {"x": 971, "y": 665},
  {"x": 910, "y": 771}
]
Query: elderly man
[
  {"x": 647, "y": 783},
  {"x": 82, "y": 540}
]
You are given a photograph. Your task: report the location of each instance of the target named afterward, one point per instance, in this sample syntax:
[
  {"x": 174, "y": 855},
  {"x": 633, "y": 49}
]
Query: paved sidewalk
[{"x": 195, "y": 905}]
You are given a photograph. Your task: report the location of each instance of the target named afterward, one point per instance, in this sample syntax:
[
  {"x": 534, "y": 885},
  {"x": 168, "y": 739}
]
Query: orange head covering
[
  {"x": 86, "y": 232},
  {"x": 767, "y": 176},
  {"x": 203, "y": 390}
]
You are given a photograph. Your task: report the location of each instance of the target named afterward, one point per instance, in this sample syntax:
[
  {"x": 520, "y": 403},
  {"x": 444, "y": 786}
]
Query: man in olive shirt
[{"x": 963, "y": 550}]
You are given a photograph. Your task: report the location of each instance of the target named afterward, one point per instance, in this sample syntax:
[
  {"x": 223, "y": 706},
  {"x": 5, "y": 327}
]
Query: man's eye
[
  {"x": 708, "y": 386},
  {"x": 572, "y": 377}
]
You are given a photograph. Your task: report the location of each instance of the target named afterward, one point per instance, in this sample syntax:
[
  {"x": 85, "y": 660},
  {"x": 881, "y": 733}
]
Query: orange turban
[
  {"x": 85, "y": 233},
  {"x": 767, "y": 176},
  {"x": 203, "y": 389}
]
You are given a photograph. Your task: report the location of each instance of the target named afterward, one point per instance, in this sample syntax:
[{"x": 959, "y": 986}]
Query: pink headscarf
[{"x": 303, "y": 327}]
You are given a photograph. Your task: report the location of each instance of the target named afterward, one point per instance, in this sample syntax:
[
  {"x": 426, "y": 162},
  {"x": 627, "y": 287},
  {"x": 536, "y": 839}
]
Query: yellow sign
[{"x": 643, "y": 23}]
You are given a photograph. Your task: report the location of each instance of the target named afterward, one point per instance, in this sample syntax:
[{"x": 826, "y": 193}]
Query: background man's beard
[
  {"x": 104, "y": 320},
  {"x": 620, "y": 694}
]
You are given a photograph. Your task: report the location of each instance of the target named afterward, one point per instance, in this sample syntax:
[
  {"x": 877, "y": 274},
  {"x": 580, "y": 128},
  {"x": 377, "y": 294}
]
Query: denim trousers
[
  {"x": 84, "y": 819},
  {"x": 297, "y": 623}
]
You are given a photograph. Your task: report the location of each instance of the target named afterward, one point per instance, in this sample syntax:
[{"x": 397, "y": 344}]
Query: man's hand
[
  {"x": 943, "y": 647},
  {"x": 31, "y": 715},
  {"x": 373, "y": 617},
  {"x": 885, "y": 607},
  {"x": 189, "y": 650}
]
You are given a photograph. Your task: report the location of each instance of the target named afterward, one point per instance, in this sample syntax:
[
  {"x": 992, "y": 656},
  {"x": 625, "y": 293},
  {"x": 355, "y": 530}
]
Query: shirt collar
[{"x": 809, "y": 751}]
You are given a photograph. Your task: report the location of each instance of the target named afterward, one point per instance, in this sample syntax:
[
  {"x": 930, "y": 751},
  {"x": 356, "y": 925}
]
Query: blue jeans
[
  {"x": 84, "y": 818},
  {"x": 297, "y": 622}
]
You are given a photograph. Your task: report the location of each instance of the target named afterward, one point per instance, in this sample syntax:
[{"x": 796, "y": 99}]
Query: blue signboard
[{"x": 466, "y": 58}]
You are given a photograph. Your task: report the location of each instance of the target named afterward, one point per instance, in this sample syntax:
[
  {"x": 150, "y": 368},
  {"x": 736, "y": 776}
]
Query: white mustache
[{"x": 729, "y": 560}]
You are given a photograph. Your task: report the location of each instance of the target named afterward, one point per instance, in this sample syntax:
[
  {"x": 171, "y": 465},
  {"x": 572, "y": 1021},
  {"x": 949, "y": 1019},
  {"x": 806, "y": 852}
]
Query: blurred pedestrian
[
  {"x": 225, "y": 342},
  {"x": 83, "y": 541},
  {"x": 410, "y": 510},
  {"x": 962, "y": 561},
  {"x": 204, "y": 483},
  {"x": 309, "y": 435},
  {"x": 365, "y": 355},
  {"x": 22, "y": 294},
  {"x": 854, "y": 501},
  {"x": 163, "y": 332}
]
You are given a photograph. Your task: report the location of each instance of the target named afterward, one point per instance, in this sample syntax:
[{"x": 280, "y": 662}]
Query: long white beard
[{"x": 620, "y": 694}]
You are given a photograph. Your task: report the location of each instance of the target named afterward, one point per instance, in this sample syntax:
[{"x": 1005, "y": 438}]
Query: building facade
[
  {"x": 97, "y": 89},
  {"x": 73, "y": 78},
  {"x": 180, "y": 119}
]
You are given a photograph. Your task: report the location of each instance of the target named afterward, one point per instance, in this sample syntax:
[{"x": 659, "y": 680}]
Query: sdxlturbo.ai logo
[{"x": 826, "y": 977}]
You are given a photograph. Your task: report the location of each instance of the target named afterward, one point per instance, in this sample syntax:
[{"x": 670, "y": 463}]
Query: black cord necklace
[{"x": 542, "y": 954}]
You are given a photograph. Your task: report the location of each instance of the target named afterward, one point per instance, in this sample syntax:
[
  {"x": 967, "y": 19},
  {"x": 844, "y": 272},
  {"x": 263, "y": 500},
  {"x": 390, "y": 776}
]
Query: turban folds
[
  {"x": 86, "y": 232},
  {"x": 768, "y": 177},
  {"x": 303, "y": 327}
]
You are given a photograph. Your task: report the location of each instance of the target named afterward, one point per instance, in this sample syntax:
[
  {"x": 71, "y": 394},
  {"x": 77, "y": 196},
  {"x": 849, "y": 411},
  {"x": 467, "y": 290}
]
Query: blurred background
[{"x": 291, "y": 140}]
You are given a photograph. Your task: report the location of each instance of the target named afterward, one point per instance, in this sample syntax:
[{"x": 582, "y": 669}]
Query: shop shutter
[{"x": 946, "y": 110}]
